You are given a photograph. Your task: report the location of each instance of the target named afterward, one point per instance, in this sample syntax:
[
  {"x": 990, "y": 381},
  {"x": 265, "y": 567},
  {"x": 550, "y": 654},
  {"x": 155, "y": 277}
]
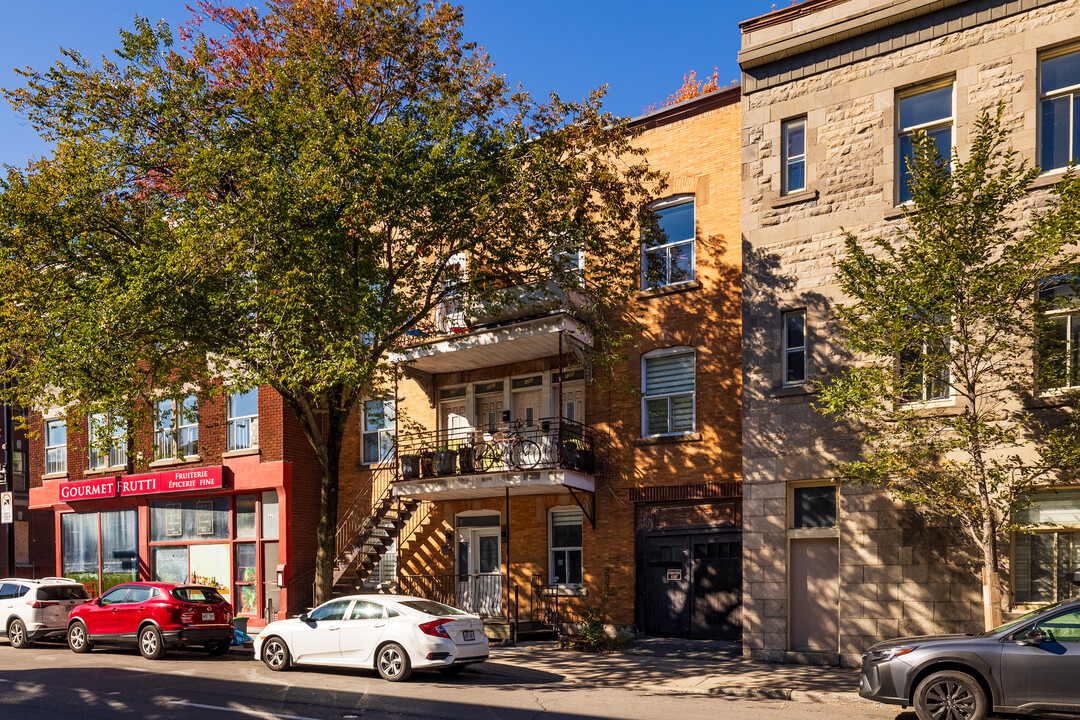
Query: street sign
[{"x": 6, "y": 505}]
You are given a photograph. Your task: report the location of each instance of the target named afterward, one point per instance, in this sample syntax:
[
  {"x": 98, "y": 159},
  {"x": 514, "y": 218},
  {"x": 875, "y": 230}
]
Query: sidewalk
[{"x": 666, "y": 665}]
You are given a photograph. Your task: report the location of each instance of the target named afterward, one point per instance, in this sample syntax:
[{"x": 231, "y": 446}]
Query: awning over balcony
[
  {"x": 487, "y": 485},
  {"x": 518, "y": 342}
]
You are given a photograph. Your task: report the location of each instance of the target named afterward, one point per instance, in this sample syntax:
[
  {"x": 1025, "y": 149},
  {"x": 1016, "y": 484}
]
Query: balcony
[
  {"x": 552, "y": 456},
  {"x": 525, "y": 324}
]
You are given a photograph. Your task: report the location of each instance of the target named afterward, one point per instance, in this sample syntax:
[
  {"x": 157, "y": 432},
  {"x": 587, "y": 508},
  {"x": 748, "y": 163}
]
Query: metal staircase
[{"x": 366, "y": 533}]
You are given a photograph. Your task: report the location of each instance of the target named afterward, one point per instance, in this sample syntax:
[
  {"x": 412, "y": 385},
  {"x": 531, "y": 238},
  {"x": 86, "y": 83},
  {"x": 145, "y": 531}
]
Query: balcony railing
[
  {"x": 56, "y": 460},
  {"x": 544, "y": 444},
  {"x": 243, "y": 433},
  {"x": 478, "y": 593}
]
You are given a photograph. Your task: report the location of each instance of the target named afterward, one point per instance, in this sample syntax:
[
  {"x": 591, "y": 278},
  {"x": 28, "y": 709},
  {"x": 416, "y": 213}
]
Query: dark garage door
[{"x": 693, "y": 585}]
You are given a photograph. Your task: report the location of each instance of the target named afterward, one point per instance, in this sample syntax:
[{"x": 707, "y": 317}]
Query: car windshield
[
  {"x": 63, "y": 592},
  {"x": 1024, "y": 618},
  {"x": 432, "y": 608},
  {"x": 197, "y": 595}
]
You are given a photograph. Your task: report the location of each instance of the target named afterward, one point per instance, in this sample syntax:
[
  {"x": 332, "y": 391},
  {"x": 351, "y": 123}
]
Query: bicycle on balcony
[{"x": 506, "y": 448}]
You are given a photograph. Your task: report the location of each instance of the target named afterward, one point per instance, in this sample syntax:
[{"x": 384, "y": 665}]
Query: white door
[
  {"x": 361, "y": 630},
  {"x": 573, "y": 401},
  {"x": 318, "y": 640},
  {"x": 479, "y": 575},
  {"x": 489, "y": 411},
  {"x": 454, "y": 422},
  {"x": 527, "y": 406}
]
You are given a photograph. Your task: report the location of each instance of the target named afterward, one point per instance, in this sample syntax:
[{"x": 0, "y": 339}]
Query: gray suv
[
  {"x": 35, "y": 609},
  {"x": 1031, "y": 664}
]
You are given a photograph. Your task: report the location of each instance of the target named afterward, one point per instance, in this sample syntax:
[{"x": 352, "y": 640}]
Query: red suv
[{"x": 154, "y": 616}]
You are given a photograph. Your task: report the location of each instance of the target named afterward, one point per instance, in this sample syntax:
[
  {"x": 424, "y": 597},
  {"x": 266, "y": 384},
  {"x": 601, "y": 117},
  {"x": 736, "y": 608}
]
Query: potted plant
[
  {"x": 427, "y": 463},
  {"x": 410, "y": 467},
  {"x": 445, "y": 461},
  {"x": 465, "y": 459}
]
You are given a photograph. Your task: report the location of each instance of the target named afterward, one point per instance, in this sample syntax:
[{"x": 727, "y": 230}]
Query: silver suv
[{"x": 35, "y": 609}]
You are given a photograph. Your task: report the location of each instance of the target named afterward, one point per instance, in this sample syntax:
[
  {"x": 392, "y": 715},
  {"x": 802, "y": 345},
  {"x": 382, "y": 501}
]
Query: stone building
[
  {"x": 832, "y": 90},
  {"x": 645, "y": 484}
]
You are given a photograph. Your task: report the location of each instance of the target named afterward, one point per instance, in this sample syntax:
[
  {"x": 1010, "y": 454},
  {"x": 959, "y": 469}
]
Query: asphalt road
[{"x": 49, "y": 681}]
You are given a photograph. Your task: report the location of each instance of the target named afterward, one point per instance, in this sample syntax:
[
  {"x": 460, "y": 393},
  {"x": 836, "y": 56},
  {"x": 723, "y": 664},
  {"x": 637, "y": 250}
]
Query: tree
[
  {"x": 691, "y": 87},
  {"x": 946, "y": 308},
  {"x": 286, "y": 202}
]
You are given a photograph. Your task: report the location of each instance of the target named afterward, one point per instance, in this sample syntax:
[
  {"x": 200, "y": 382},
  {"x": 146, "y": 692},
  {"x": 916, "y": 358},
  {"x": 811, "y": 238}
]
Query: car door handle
[
  {"x": 333, "y": 629},
  {"x": 381, "y": 625}
]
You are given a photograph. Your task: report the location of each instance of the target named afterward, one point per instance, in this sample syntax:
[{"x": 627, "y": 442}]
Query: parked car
[
  {"x": 35, "y": 609},
  {"x": 1028, "y": 665},
  {"x": 155, "y": 617},
  {"x": 394, "y": 634}
]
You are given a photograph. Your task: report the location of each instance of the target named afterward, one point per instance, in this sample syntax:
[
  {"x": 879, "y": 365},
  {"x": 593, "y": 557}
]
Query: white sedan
[{"x": 395, "y": 634}]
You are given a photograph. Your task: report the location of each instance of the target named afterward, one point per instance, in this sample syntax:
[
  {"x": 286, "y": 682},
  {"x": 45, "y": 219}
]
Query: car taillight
[
  {"x": 42, "y": 603},
  {"x": 435, "y": 627}
]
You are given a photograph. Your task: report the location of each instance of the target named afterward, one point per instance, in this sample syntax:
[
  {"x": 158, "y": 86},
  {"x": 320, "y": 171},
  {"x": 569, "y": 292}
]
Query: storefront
[{"x": 220, "y": 526}]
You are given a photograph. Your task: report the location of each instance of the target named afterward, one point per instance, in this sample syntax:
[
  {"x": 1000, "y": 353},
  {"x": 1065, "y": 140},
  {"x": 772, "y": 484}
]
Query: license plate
[
  {"x": 208, "y": 616},
  {"x": 468, "y": 635}
]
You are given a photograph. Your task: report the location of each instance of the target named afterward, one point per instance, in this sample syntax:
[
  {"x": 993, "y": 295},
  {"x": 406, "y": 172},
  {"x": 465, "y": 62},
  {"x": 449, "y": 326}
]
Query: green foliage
[
  {"x": 282, "y": 204},
  {"x": 595, "y": 618},
  {"x": 949, "y": 302}
]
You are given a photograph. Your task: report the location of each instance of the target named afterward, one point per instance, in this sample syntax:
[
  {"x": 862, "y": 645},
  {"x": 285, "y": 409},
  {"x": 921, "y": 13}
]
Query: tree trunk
[
  {"x": 991, "y": 579},
  {"x": 326, "y": 533}
]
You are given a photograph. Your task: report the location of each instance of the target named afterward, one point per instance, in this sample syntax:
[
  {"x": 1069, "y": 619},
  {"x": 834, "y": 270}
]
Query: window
[
  {"x": 923, "y": 367},
  {"x": 667, "y": 382},
  {"x": 176, "y": 428},
  {"x": 667, "y": 247},
  {"x": 1058, "y": 346},
  {"x": 813, "y": 506},
  {"x": 929, "y": 110},
  {"x": 794, "y": 341},
  {"x": 107, "y": 440},
  {"x": 1044, "y": 560},
  {"x": 243, "y": 420},
  {"x": 794, "y": 156},
  {"x": 1059, "y": 99},
  {"x": 564, "y": 537},
  {"x": 333, "y": 610},
  {"x": 55, "y": 446},
  {"x": 378, "y": 440}
]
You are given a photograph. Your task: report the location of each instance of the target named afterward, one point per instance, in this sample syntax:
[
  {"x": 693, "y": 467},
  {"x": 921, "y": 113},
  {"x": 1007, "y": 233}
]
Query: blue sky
[{"x": 640, "y": 49}]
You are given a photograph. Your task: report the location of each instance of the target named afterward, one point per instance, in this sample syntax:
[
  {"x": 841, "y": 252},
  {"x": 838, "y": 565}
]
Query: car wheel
[
  {"x": 151, "y": 645},
  {"x": 950, "y": 695},
  {"x": 17, "y": 634},
  {"x": 78, "y": 639},
  {"x": 393, "y": 663},
  {"x": 218, "y": 648},
  {"x": 451, "y": 670},
  {"x": 275, "y": 653}
]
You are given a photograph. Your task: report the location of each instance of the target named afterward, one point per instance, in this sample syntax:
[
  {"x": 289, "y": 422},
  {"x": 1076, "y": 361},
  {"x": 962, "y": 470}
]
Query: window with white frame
[
  {"x": 794, "y": 342},
  {"x": 55, "y": 446},
  {"x": 667, "y": 384},
  {"x": 923, "y": 367},
  {"x": 107, "y": 440},
  {"x": 378, "y": 433},
  {"x": 1059, "y": 95},
  {"x": 928, "y": 109},
  {"x": 793, "y": 138},
  {"x": 667, "y": 247},
  {"x": 1043, "y": 560},
  {"x": 176, "y": 428},
  {"x": 450, "y": 313},
  {"x": 564, "y": 541},
  {"x": 243, "y": 420},
  {"x": 1058, "y": 348}
]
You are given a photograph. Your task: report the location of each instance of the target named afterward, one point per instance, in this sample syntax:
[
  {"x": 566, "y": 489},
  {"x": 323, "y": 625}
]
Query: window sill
[
  {"x": 794, "y": 390},
  {"x": 1048, "y": 179},
  {"x": 240, "y": 453},
  {"x": 105, "y": 471},
  {"x": 900, "y": 211},
  {"x": 794, "y": 198},
  {"x": 668, "y": 439},
  {"x": 165, "y": 462},
  {"x": 668, "y": 290},
  {"x": 1052, "y": 398},
  {"x": 55, "y": 476},
  {"x": 566, "y": 591}
]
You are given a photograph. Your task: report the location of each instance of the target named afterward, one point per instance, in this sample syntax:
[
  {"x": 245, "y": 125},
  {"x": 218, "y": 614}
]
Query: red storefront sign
[{"x": 170, "y": 481}]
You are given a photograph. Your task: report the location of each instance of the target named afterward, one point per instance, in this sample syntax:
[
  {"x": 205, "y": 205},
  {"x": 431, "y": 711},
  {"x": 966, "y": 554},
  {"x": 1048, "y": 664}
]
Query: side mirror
[
  {"x": 1034, "y": 636},
  {"x": 303, "y": 617}
]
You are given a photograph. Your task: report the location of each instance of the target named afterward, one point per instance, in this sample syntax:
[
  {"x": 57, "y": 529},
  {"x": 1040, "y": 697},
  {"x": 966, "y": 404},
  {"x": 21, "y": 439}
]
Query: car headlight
[{"x": 889, "y": 653}]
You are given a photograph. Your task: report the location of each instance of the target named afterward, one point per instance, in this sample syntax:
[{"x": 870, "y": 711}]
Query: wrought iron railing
[
  {"x": 543, "y": 444},
  {"x": 479, "y": 593}
]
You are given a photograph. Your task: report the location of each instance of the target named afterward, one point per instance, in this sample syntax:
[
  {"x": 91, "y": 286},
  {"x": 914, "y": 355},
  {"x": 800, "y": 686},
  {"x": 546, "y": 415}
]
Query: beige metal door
[
  {"x": 527, "y": 406},
  {"x": 815, "y": 594}
]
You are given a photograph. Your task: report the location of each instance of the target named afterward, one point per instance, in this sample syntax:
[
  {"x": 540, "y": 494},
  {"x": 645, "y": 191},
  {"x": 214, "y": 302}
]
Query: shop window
[
  {"x": 1059, "y": 100},
  {"x": 245, "y": 516},
  {"x": 190, "y": 520},
  {"x": 100, "y": 550},
  {"x": 668, "y": 381},
  {"x": 794, "y": 329},
  {"x": 247, "y": 602},
  {"x": 813, "y": 507},
  {"x": 378, "y": 431},
  {"x": 55, "y": 446},
  {"x": 270, "y": 515},
  {"x": 243, "y": 420},
  {"x": 1044, "y": 560},
  {"x": 176, "y": 428},
  {"x": 667, "y": 246},
  {"x": 794, "y": 156},
  {"x": 929, "y": 110},
  {"x": 564, "y": 554},
  {"x": 170, "y": 564},
  {"x": 107, "y": 440}
]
